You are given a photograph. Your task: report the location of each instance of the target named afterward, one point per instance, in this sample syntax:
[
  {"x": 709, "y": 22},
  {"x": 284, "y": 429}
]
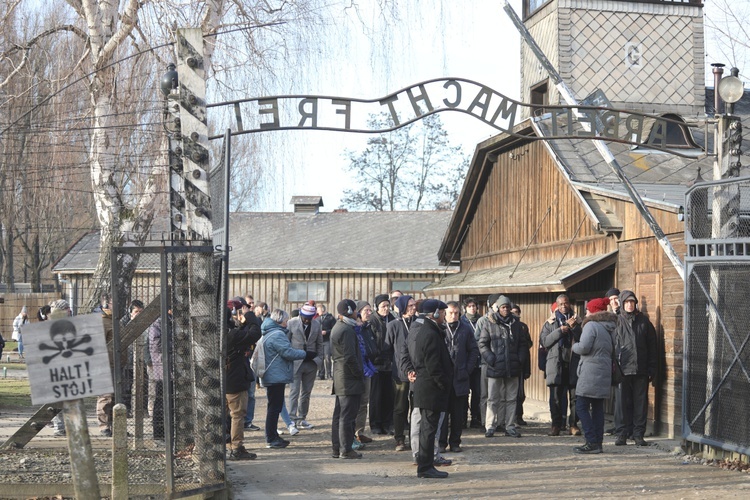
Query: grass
[{"x": 14, "y": 392}]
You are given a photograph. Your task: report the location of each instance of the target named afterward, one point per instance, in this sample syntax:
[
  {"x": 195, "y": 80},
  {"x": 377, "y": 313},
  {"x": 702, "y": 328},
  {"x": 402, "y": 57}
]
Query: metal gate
[
  {"x": 716, "y": 378},
  {"x": 187, "y": 458}
]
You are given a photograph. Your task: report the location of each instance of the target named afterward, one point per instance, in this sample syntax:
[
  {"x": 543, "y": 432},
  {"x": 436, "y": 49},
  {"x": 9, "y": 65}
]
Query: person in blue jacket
[{"x": 279, "y": 356}]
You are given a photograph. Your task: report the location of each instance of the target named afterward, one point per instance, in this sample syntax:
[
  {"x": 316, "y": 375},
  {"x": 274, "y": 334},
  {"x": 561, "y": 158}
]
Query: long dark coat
[
  {"x": 464, "y": 353},
  {"x": 434, "y": 368},
  {"x": 348, "y": 371}
]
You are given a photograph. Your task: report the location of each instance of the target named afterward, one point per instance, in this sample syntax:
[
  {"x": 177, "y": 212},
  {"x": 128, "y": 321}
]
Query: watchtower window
[
  {"x": 539, "y": 98},
  {"x": 531, "y": 6}
]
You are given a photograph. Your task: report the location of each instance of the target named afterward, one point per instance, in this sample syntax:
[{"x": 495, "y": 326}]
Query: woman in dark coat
[{"x": 594, "y": 372}]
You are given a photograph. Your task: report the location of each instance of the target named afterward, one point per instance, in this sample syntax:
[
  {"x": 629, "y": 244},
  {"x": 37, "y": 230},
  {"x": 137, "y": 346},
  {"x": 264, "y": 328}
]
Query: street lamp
[{"x": 731, "y": 89}]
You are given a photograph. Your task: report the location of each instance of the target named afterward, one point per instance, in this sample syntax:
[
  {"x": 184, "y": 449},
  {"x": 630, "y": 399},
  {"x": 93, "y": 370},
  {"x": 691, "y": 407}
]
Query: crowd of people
[
  {"x": 419, "y": 370},
  {"x": 423, "y": 372}
]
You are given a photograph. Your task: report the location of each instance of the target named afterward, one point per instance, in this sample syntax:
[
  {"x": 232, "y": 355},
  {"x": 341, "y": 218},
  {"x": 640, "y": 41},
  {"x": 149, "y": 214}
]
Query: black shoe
[
  {"x": 334, "y": 455},
  {"x": 500, "y": 428},
  {"x": 610, "y": 432},
  {"x": 621, "y": 441},
  {"x": 476, "y": 424},
  {"x": 639, "y": 441},
  {"x": 241, "y": 454},
  {"x": 588, "y": 449},
  {"x": 106, "y": 433},
  {"x": 456, "y": 449},
  {"x": 442, "y": 448},
  {"x": 521, "y": 421},
  {"x": 277, "y": 443},
  {"x": 432, "y": 474},
  {"x": 489, "y": 433},
  {"x": 350, "y": 455}
]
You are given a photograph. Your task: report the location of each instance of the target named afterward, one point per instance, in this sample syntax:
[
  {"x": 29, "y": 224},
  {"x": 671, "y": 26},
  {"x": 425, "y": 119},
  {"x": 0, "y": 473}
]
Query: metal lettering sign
[
  {"x": 316, "y": 112},
  {"x": 67, "y": 359}
]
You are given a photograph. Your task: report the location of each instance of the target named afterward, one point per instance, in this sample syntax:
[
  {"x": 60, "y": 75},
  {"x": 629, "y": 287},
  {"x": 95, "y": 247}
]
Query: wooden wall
[
  {"x": 517, "y": 195},
  {"x": 272, "y": 288}
]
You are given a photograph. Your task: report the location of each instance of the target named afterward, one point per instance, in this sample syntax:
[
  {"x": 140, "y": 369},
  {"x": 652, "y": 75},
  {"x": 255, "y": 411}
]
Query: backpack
[{"x": 258, "y": 359}]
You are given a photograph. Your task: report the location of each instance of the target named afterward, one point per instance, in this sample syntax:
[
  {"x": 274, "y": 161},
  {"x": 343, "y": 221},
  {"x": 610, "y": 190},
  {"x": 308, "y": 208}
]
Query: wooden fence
[{"x": 13, "y": 302}]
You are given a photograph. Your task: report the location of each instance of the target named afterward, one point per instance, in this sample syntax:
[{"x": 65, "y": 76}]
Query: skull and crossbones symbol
[{"x": 65, "y": 340}]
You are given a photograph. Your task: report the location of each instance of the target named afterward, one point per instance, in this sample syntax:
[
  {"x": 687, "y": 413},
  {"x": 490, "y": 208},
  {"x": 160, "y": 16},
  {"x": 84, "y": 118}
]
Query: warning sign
[{"x": 67, "y": 359}]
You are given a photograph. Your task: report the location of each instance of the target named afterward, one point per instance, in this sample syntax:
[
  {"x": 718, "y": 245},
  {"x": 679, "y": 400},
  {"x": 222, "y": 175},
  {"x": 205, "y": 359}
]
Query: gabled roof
[
  {"x": 660, "y": 178},
  {"x": 333, "y": 242}
]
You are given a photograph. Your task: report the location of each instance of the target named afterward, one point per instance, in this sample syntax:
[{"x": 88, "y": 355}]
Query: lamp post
[{"x": 725, "y": 225}]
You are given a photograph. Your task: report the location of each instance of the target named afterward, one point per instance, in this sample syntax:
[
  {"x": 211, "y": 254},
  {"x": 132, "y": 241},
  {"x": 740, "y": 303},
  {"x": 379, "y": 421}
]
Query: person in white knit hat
[{"x": 21, "y": 319}]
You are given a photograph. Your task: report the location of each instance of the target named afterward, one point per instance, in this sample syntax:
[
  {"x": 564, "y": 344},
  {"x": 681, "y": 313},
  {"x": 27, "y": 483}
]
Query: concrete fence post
[{"x": 119, "y": 452}]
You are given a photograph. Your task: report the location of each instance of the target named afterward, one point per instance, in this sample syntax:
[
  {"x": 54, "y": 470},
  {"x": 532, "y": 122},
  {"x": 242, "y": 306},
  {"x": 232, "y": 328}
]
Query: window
[
  {"x": 539, "y": 98},
  {"x": 410, "y": 287},
  {"x": 302, "y": 291},
  {"x": 530, "y": 6}
]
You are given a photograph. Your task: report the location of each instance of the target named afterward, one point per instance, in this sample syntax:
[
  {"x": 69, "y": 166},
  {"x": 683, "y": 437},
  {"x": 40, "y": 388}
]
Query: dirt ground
[{"x": 534, "y": 466}]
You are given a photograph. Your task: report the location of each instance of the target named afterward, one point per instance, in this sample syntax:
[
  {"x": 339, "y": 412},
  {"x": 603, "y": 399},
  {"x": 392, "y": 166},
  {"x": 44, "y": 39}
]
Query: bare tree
[{"x": 410, "y": 168}]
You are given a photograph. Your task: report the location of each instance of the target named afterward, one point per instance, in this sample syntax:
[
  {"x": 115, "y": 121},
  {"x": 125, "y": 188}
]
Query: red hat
[
  {"x": 597, "y": 305},
  {"x": 553, "y": 307}
]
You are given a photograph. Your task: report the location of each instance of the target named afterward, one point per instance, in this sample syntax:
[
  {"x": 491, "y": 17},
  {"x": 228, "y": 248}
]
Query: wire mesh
[
  {"x": 717, "y": 367},
  {"x": 175, "y": 426}
]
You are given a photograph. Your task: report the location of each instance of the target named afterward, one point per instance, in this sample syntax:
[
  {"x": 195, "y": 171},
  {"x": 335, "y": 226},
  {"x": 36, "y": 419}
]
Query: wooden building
[
  {"x": 537, "y": 218},
  {"x": 285, "y": 259}
]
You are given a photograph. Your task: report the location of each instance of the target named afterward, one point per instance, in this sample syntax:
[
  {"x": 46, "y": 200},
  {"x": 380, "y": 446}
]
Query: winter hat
[
  {"x": 597, "y": 305},
  {"x": 502, "y": 300},
  {"x": 627, "y": 295},
  {"x": 59, "y": 305},
  {"x": 234, "y": 303},
  {"x": 308, "y": 311},
  {"x": 361, "y": 305},
  {"x": 402, "y": 302},
  {"x": 492, "y": 298},
  {"x": 346, "y": 307},
  {"x": 294, "y": 313},
  {"x": 24, "y": 310},
  {"x": 612, "y": 291},
  {"x": 553, "y": 307},
  {"x": 383, "y": 297},
  {"x": 429, "y": 306}
]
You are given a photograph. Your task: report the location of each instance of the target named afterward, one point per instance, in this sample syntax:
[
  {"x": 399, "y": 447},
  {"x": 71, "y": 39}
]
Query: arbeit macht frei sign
[{"x": 310, "y": 112}]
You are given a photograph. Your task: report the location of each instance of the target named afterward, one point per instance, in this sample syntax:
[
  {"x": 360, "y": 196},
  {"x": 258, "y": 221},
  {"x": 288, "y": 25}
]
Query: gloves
[{"x": 310, "y": 355}]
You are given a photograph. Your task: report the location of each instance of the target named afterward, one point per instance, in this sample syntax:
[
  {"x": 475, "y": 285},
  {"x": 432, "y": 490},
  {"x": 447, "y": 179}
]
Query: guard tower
[{"x": 645, "y": 55}]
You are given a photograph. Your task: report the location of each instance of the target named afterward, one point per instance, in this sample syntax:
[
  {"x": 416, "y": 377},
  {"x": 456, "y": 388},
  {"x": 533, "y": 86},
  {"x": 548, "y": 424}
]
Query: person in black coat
[
  {"x": 239, "y": 378},
  {"x": 637, "y": 354},
  {"x": 464, "y": 353},
  {"x": 434, "y": 378},
  {"x": 381, "y": 384}
]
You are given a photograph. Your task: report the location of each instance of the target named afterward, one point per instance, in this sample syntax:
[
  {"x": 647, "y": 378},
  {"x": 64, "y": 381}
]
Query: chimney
[{"x": 307, "y": 204}]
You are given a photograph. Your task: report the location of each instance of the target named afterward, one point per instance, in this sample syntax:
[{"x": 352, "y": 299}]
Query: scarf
[
  {"x": 349, "y": 321},
  {"x": 472, "y": 317},
  {"x": 367, "y": 365}
]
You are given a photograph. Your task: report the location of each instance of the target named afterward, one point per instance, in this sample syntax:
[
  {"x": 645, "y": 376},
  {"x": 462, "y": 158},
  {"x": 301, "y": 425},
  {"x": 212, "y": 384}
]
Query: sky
[
  {"x": 465, "y": 39},
  {"x": 432, "y": 39}
]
